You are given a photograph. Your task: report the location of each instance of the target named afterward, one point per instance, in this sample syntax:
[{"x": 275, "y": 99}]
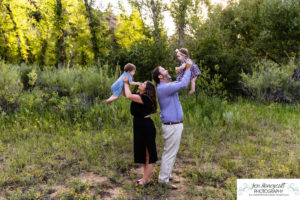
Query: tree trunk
[
  {"x": 61, "y": 55},
  {"x": 92, "y": 30},
  {"x": 5, "y": 48},
  {"x": 181, "y": 28},
  {"x": 16, "y": 31},
  {"x": 154, "y": 10},
  {"x": 182, "y": 22}
]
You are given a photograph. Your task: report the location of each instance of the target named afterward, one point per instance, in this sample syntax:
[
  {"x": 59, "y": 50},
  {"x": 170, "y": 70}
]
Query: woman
[{"x": 143, "y": 104}]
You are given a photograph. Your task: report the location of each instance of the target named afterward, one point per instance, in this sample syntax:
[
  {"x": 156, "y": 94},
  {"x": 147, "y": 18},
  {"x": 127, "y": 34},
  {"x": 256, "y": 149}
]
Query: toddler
[
  {"x": 183, "y": 55},
  {"x": 118, "y": 87}
]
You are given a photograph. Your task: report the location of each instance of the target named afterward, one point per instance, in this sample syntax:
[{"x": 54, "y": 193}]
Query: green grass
[{"x": 222, "y": 141}]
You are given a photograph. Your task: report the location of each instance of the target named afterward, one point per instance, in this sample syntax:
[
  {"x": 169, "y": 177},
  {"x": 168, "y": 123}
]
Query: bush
[
  {"x": 87, "y": 83},
  {"x": 147, "y": 55},
  {"x": 10, "y": 87},
  {"x": 271, "y": 82},
  {"x": 210, "y": 85},
  {"x": 29, "y": 75},
  {"x": 244, "y": 32}
]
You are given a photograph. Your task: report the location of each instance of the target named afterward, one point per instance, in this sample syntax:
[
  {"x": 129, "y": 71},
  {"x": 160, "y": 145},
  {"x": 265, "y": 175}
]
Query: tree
[
  {"x": 179, "y": 13},
  {"x": 154, "y": 8},
  {"x": 15, "y": 29},
  {"x": 61, "y": 52},
  {"x": 239, "y": 35},
  {"x": 88, "y": 7},
  {"x": 130, "y": 29}
]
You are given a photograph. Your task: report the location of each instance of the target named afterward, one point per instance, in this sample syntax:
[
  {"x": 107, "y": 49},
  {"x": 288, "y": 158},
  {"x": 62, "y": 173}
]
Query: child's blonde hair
[{"x": 129, "y": 67}]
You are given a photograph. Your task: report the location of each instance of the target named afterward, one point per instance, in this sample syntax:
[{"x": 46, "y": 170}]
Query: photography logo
[{"x": 268, "y": 189}]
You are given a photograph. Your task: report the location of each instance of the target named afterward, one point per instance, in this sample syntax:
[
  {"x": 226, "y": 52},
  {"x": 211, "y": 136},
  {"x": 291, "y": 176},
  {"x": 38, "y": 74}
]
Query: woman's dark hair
[
  {"x": 151, "y": 93},
  {"x": 155, "y": 75}
]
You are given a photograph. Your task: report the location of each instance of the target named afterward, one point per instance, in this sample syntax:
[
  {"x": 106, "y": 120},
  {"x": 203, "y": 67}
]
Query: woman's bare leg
[{"x": 148, "y": 168}]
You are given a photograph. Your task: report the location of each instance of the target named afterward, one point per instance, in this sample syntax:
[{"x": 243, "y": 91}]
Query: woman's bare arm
[
  {"x": 134, "y": 83},
  {"x": 129, "y": 95}
]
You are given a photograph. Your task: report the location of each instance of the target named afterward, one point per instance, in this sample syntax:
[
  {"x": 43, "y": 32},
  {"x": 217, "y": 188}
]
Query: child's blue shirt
[{"x": 118, "y": 86}]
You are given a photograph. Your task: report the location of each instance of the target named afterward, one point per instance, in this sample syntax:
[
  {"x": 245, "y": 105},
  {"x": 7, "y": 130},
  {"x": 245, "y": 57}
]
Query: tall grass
[{"x": 62, "y": 128}]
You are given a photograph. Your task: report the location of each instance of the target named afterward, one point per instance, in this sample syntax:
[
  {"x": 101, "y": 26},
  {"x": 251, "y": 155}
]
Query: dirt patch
[
  {"x": 182, "y": 186},
  {"x": 58, "y": 190},
  {"x": 92, "y": 179},
  {"x": 113, "y": 193}
]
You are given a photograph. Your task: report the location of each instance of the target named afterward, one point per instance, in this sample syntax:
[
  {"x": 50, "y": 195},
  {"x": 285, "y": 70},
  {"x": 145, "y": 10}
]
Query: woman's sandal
[{"x": 140, "y": 182}]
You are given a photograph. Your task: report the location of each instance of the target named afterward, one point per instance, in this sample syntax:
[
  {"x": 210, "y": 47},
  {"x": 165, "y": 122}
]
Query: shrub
[
  {"x": 87, "y": 83},
  {"x": 10, "y": 87},
  {"x": 29, "y": 75},
  {"x": 210, "y": 85},
  {"x": 272, "y": 82}
]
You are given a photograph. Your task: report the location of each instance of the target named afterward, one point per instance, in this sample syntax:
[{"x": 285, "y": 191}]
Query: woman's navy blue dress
[{"x": 143, "y": 130}]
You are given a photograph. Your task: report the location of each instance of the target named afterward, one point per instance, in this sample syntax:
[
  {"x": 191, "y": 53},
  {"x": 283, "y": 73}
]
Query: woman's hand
[{"x": 126, "y": 80}]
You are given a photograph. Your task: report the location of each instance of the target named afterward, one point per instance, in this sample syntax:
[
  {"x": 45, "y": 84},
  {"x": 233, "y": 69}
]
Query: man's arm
[{"x": 174, "y": 87}]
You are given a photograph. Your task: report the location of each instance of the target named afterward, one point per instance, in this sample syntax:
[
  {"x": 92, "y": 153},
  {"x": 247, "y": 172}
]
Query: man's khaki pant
[{"x": 172, "y": 136}]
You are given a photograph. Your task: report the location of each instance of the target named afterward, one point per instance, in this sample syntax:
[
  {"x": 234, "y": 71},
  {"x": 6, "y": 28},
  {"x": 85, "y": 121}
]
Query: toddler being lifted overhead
[
  {"x": 118, "y": 87},
  {"x": 183, "y": 55}
]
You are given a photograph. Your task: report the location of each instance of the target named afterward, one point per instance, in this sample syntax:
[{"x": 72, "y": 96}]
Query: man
[{"x": 171, "y": 116}]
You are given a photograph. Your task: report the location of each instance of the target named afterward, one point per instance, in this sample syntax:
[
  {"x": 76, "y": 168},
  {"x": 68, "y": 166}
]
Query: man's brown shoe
[{"x": 169, "y": 186}]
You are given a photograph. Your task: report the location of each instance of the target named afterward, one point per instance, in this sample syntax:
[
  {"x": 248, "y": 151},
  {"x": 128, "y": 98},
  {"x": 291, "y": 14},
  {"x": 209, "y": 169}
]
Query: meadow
[{"x": 59, "y": 140}]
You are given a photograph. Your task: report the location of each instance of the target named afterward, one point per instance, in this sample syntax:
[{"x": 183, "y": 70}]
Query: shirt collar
[{"x": 162, "y": 83}]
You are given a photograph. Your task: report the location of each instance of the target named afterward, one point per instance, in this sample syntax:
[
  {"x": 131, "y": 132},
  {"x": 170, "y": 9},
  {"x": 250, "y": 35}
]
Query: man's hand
[
  {"x": 181, "y": 67},
  {"x": 188, "y": 64}
]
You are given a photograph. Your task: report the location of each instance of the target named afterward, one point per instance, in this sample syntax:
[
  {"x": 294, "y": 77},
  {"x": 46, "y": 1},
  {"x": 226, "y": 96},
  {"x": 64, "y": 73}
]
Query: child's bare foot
[
  {"x": 191, "y": 92},
  {"x": 108, "y": 102}
]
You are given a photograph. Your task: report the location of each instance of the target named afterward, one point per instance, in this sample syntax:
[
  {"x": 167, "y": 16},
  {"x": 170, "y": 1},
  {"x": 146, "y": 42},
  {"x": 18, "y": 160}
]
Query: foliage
[
  {"x": 179, "y": 12},
  {"x": 68, "y": 89},
  {"x": 71, "y": 33},
  {"x": 90, "y": 82},
  {"x": 272, "y": 82},
  {"x": 29, "y": 75},
  {"x": 130, "y": 29},
  {"x": 84, "y": 153},
  {"x": 10, "y": 87},
  {"x": 146, "y": 55},
  {"x": 41, "y": 32},
  {"x": 211, "y": 85},
  {"x": 237, "y": 36}
]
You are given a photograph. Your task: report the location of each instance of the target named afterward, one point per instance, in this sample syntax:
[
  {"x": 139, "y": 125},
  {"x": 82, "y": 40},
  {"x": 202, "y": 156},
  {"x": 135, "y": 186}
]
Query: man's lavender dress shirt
[{"x": 171, "y": 110}]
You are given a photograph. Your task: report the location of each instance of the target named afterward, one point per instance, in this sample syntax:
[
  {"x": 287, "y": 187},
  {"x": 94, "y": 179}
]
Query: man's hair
[
  {"x": 129, "y": 67},
  {"x": 155, "y": 75},
  {"x": 184, "y": 51}
]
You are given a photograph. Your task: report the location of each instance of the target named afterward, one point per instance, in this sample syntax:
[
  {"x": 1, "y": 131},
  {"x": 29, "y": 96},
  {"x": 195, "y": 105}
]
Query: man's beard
[{"x": 167, "y": 77}]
